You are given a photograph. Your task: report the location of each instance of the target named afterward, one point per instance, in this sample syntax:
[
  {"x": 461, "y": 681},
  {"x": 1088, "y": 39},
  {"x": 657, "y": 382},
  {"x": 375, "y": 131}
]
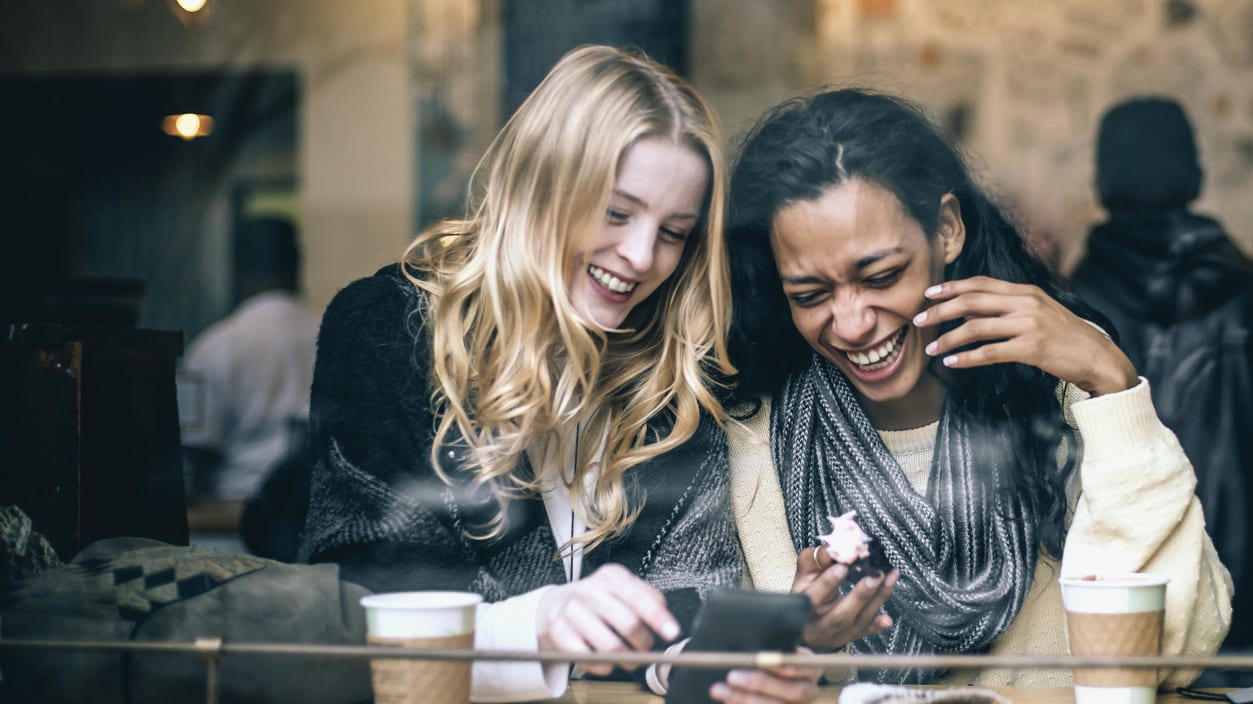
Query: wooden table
[
  {"x": 215, "y": 515},
  {"x": 582, "y": 692}
]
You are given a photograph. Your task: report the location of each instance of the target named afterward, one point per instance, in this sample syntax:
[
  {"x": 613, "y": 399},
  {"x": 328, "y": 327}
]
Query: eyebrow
[
  {"x": 638, "y": 201},
  {"x": 862, "y": 263},
  {"x": 877, "y": 255}
]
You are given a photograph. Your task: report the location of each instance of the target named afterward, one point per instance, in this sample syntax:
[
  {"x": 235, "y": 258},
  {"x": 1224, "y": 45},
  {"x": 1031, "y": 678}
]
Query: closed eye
[
  {"x": 885, "y": 279},
  {"x": 674, "y": 235},
  {"x": 804, "y": 298},
  {"x": 616, "y": 217}
]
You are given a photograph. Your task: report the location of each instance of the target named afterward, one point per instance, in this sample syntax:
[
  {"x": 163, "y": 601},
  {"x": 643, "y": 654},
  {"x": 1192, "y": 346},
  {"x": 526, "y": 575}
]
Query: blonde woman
[{"x": 525, "y": 407}]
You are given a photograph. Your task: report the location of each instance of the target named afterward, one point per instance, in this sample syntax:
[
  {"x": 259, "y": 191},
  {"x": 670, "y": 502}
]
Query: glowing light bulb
[
  {"x": 187, "y": 125},
  {"x": 192, "y": 5}
]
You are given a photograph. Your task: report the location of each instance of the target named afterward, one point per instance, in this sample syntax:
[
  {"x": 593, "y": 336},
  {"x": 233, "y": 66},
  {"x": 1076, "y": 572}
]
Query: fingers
[
  {"x": 857, "y": 614},
  {"x": 995, "y": 339},
  {"x": 1000, "y": 322},
  {"x": 576, "y": 635},
  {"x": 978, "y": 297},
  {"x": 990, "y": 312},
  {"x": 608, "y": 625},
  {"x": 974, "y": 284},
  {"x": 871, "y": 617},
  {"x": 778, "y": 684},
  {"x": 610, "y": 611},
  {"x": 813, "y": 559},
  {"x": 821, "y": 586},
  {"x": 644, "y": 601},
  {"x": 865, "y": 602}
]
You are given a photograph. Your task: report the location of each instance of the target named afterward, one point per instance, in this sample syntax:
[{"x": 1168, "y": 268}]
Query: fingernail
[
  {"x": 719, "y": 691},
  {"x": 670, "y": 630},
  {"x": 931, "y": 347},
  {"x": 737, "y": 678},
  {"x": 950, "y": 360},
  {"x": 920, "y": 318},
  {"x": 933, "y": 291}
]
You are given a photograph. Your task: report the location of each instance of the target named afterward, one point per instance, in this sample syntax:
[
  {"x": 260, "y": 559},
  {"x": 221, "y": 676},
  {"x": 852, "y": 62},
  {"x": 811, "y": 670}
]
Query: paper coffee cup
[
  {"x": 1117, "y": 614},
  {"x": 437, "y": 620}
]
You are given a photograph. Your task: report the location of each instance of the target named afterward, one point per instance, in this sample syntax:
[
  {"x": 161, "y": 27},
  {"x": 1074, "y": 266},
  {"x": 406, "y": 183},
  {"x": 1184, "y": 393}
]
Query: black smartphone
[{"x": 738, "y": 620}]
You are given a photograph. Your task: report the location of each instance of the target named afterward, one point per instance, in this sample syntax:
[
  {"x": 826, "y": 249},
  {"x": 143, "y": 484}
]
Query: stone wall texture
[{"x": 1022, "y": 84}]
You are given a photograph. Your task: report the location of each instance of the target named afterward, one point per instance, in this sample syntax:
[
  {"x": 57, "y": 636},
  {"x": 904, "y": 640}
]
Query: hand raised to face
[{"x": 1009, "y": 322}]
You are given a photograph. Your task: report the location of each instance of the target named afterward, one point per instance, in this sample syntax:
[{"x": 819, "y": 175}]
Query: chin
[
  {"x": 605, "y": 320},
  {"x": 895, "y": 388},
  {"x": 609, "y": 323}
]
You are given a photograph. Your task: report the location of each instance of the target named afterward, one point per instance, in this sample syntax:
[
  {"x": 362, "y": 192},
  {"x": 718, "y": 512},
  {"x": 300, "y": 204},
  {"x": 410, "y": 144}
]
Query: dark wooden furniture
[{"x": 89, "y": 444}]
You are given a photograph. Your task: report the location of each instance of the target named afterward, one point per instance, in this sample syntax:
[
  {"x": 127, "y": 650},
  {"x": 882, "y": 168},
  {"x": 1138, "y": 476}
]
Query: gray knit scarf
[{"x": 966, "y": 551}]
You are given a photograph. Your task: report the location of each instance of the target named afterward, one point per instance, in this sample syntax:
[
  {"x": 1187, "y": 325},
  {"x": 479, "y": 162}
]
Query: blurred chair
[{"x": 89, "y": 432}]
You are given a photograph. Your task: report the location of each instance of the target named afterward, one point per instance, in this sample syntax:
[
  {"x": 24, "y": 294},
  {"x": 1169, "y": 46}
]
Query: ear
[{"x": 951, "y": 230}]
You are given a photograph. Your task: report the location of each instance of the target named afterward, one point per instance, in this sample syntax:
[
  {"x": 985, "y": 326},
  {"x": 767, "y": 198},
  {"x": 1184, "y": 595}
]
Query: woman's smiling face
[
  {"x": 655, "y": 203},
  {"x": 854, "y": 266}
]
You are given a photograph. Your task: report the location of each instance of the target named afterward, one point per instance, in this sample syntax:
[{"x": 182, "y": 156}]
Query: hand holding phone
[
  {"x": 611, "y": 610},
  {"x": 738, "y": 620}
]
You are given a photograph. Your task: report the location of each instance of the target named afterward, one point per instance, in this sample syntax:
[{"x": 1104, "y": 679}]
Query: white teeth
[
  {"x": 610, "y": 281},
  {"x": 880, "y": 356}
]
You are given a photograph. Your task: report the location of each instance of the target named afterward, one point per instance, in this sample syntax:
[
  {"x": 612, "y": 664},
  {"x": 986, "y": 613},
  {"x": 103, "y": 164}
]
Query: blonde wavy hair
[{"x": 512, "y": 361}]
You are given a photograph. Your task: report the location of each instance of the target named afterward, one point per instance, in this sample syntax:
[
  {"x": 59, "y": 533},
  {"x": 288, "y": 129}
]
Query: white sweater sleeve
[
  {"x": 1138, "y": 511},
  {"x": 510, "y": 625}
]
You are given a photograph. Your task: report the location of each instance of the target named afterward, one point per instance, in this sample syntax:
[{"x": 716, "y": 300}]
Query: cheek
[
  {"x": 925, "y": 337},
  {"x": 666, "y": 262},
  {"x": 574, "y": 273},
  {"x": 907, "y": 297},
  {"x": 807, "y": 322}
]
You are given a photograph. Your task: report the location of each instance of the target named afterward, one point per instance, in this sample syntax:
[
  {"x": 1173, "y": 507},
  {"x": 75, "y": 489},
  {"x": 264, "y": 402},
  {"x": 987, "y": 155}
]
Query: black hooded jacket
[
  {"x": 1181, "y": 297},
  {"x": 1160, "y": 269}
]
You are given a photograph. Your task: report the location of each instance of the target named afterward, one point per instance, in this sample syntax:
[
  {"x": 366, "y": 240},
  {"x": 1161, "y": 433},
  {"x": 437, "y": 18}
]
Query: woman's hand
[
  {"x": 837, "y": 621},
  {"x": 792, "y": 685},
  {"x": 609, "y": 611},
  {"x": 1021, "y": 323}
]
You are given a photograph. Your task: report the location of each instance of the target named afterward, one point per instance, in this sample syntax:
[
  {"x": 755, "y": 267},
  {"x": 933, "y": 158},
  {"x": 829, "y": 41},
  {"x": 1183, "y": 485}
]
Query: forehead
[
  {"x": 842, "y": 228},
  {"x": 663, "y": 174},
  {"x": 655, "y": 152}
]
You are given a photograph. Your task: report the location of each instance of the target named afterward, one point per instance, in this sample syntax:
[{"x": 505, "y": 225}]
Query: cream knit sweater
[{"x": 1137, "y": 511}]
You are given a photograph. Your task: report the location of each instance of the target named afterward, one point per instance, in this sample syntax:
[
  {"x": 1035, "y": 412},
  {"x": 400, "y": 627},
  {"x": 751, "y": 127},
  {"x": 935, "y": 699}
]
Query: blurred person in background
[
  {"x": 246, "y": 378},
  {"x": 1181, "y": 296}
]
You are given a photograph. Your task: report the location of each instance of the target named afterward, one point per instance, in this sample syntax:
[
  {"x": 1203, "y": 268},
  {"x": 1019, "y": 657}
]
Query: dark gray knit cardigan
[{"x": 378, "y": 509}]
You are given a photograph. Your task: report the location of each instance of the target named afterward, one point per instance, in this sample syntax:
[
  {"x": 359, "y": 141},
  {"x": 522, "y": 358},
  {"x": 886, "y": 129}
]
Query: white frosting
[{"x": 846, "y": 543}]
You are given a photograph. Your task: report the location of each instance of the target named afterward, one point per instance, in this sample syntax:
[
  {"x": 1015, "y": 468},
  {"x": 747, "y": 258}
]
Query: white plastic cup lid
[
  {"x": 1115, "y": 593},
  {"x": 420, "y": 614}
]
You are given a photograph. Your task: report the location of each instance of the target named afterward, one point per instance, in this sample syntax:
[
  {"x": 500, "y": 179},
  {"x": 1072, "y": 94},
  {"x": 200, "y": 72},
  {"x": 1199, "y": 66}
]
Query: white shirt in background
[{"x": 243, "y": 379}]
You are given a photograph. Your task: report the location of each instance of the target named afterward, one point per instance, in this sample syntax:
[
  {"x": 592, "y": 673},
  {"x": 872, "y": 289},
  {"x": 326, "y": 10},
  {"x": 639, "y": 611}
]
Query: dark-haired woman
[{"x": 925, "y": 371}]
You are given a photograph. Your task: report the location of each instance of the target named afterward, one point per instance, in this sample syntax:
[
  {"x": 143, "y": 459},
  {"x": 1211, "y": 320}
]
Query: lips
[{"x": 879, "y": 356}]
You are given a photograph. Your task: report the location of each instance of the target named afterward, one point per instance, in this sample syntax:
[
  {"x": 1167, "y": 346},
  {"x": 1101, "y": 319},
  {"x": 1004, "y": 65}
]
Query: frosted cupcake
[{"x": 849, "y": 545}]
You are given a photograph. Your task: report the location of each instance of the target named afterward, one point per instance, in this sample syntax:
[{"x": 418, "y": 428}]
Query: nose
[
  {"x": 852, "y": 321},
  {"x": 637, "y": 244}
]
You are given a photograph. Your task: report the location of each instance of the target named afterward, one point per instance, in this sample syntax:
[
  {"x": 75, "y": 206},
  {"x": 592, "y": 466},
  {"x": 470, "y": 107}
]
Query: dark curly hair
[{"x": 805, "y": 146}]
